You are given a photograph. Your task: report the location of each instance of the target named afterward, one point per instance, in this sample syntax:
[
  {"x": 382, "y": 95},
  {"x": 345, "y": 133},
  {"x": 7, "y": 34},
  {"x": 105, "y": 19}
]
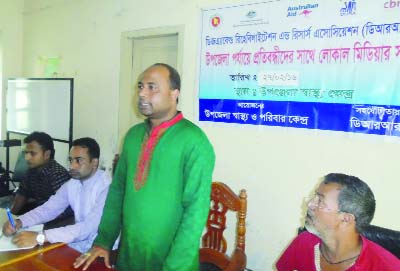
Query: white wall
[
  {"x": 10, "y": 53},
  {"x": 277, "y": 166}
]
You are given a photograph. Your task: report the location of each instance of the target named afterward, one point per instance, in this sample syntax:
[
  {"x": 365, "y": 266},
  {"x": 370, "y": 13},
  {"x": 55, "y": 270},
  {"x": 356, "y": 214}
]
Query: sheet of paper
[{"x": 5, "y": 242}]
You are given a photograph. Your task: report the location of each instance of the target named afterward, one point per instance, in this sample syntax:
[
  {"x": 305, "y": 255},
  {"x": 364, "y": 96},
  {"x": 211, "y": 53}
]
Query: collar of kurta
[{"x": 149, "y": 143}]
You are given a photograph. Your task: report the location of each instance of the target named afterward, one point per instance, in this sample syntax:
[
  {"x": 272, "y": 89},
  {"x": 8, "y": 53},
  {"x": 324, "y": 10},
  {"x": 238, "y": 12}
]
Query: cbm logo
[
  {"x": 349, "y": 8},
  {"x": 392, "y": 4}
]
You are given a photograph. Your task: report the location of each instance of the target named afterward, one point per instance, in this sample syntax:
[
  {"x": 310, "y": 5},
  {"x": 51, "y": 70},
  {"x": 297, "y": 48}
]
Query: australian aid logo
[{"x": 301, "y": 10}]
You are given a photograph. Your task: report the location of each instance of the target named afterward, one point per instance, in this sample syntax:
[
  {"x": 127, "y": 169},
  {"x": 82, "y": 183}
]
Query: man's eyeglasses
[{"x": 316, "y": 201}]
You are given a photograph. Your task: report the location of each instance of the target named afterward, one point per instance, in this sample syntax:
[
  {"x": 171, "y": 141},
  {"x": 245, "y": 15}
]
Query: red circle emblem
[{"x": 215, "y": 21}]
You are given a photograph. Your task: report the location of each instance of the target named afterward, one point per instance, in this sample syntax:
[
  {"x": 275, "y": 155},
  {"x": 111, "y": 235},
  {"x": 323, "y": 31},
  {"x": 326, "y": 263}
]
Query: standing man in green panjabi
[{"x": 160, "y": 194}]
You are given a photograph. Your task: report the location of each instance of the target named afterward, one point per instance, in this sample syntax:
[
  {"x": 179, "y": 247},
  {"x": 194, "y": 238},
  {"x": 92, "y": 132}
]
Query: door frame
[{"x": 126, "y": 60}]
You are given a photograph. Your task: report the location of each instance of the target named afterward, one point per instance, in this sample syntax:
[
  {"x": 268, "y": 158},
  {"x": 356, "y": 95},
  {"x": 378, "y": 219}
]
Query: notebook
[{"x": 6, "y": 242}]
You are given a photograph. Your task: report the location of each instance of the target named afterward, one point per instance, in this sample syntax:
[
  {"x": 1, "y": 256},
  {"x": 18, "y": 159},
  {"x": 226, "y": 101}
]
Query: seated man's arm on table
[
  {"x": 42, "y": 214},
  {"x": 83, "y": 229}
]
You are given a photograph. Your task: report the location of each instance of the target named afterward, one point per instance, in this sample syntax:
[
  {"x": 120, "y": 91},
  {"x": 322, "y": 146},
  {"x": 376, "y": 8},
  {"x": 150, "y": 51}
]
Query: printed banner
[{"x": 329, "y": 65}]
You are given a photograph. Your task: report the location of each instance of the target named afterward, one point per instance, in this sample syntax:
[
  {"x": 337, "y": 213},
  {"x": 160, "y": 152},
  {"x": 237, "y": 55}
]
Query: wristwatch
[{"x": 40, "y": 238}]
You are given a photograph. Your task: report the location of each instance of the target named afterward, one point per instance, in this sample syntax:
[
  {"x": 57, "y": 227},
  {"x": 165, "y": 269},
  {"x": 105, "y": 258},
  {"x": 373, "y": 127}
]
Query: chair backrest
[
  {"x": 214, "y": 244},
  {"x": 386, "y": 238}
]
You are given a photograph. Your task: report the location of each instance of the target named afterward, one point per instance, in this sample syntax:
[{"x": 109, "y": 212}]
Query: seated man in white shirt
[{"x": 85, "y": 193}]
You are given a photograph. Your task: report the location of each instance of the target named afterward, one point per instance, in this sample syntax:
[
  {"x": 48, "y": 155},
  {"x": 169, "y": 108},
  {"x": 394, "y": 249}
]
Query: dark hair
[
  {"x": 44, "y": 140},
  {"x": 174, "y": 78},
  {"x": 90, "y": 144},
  {"x": 355, "y": 197}
]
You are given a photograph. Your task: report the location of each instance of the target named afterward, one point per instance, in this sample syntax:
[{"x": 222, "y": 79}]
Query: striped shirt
[{"x": 41, "y": 183}]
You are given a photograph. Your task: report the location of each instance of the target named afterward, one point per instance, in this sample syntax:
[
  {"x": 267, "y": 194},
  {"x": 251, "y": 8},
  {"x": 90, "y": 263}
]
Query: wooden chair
[{"x": 213, "y": 249}]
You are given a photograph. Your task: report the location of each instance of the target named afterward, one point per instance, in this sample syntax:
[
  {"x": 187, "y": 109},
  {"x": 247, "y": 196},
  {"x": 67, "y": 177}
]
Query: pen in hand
[
  {"x": 12, "y": 226},
  {"x": 11, "y": 219}
]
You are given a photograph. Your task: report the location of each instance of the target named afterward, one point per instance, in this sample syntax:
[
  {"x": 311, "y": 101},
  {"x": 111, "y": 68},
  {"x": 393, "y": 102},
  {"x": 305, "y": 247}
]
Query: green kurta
[{"x": 162, "y": 222}]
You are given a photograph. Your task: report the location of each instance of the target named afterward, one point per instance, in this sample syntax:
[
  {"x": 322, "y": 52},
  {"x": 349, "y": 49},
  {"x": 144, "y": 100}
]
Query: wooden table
[{"x": 50, "y": 257}]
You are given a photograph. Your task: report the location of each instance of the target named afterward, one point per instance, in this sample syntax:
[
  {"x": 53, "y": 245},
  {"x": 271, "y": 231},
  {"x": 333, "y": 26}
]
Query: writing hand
[
  {"x": 9, "y": 230},
  {"x": 91, "y": 255},
  {"x": 25, "y": 239}
]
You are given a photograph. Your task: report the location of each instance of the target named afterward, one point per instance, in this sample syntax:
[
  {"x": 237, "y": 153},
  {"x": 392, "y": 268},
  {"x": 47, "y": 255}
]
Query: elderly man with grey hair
[{"x": 340, "y": 209}]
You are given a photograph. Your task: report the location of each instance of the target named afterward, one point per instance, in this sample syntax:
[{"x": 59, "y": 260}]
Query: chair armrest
[{"x": 238, "y": 261}]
